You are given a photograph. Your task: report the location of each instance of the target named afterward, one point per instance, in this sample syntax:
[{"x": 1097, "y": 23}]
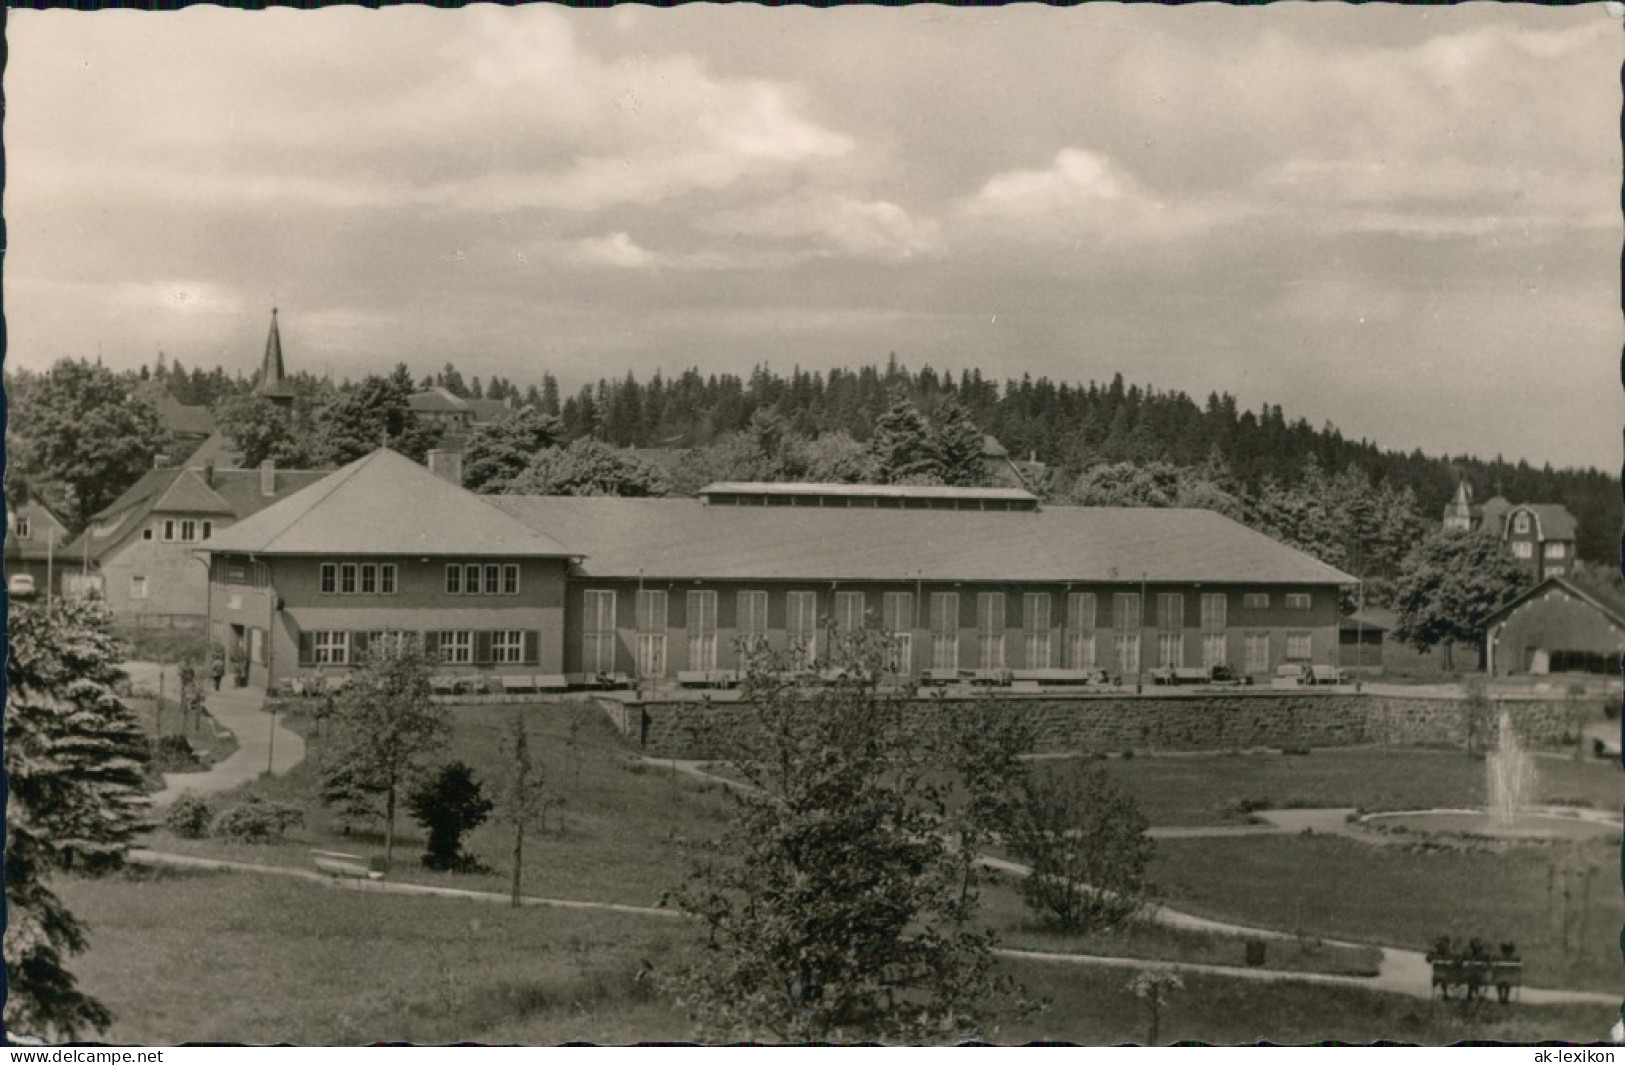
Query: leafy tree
[
  {"x": 903, "y": 447},
  {"x": 1156, "y": 484},
  {"x": 1085, "y": 841},
  {"x": 958, "y": 443},
  {"x": 1155, "y": 987},
  {"x": 589, "y": 467},
  {"x": 834, "y": 907},
  {"x": 86, "y": 430},
  {"x": 375, "y": 414},
  {"x": 384, "y": 726},
  {"x": 449, "y": 805},
  {"x": 1448, "y": 588},
  {"x": 74, "y": 759},
  {"x": 501, "y": 451},
  {"x": 834, "y": 458},
  {"x": 523, "y": 801},
  {"x": 261, "y": 429}
]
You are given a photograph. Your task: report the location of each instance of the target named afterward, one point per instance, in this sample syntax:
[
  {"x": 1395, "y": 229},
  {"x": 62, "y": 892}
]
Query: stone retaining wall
[{"x": 1196, "y": 722}]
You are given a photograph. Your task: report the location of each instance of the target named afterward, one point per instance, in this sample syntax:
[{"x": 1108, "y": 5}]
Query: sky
[{"x": 1401, "y": 221}]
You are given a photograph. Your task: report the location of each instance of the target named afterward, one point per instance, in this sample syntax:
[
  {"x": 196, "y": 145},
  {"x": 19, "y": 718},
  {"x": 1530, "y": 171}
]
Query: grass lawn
[
  {"x": 222, "y": 957},
  {"x": 230, "y": 957},
  {"x": 1402, "y": 897},
  {"x": 1209, "y": 789},
  {"x": 620, "y": 834}
]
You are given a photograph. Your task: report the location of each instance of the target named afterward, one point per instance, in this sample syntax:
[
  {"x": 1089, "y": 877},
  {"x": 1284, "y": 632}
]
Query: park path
[
  {"x": 262, "y": 744},
  {"x": 1401, "y": 971}
]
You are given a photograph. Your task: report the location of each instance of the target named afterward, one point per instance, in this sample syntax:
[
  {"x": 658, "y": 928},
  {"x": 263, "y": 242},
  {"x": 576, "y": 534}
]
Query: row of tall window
[
  {"x": 180, "y": 530},
  {"x": 1076, "y": 641},
  {"x": 358, "y": 578}
]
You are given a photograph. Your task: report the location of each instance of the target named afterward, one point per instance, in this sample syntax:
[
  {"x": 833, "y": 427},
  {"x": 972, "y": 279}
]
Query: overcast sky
[{"x": 1403, "y": 221}]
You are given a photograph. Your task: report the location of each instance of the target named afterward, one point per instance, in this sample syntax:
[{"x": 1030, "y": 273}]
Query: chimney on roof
[
  {"x": 268, "y": 478},
  {"x": 447, "y": 464}
]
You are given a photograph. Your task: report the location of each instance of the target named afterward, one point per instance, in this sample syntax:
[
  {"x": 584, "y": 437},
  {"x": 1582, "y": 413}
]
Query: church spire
[{"x": 273, "y": 383}]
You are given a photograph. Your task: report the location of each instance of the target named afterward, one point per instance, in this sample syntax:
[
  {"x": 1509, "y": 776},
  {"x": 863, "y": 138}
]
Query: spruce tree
[
  {"x": 958, "y": 445},
  {"x": 903, "y": 446},
  {"x": 75, "y": 758}
]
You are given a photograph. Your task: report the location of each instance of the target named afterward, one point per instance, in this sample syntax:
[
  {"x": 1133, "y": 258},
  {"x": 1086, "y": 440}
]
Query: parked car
[
  {"x": 1225, "y": 676},
  {"x": 21, "y": 586}
]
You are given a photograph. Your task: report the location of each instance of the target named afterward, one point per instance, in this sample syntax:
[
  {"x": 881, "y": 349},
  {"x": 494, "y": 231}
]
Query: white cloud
[
  {"x": 1084, "y": 195},
  {"x": 833, "y": 225},
  {"x": 615, "y": 249}
]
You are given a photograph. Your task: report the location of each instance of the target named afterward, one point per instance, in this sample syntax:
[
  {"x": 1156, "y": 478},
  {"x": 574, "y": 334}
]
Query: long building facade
[{"x": 968, "y": 581}]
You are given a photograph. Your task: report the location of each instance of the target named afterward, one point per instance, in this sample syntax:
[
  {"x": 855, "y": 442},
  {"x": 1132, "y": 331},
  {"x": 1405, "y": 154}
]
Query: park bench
[
  {"x": 708, "y": 678},
  {"x": 337, "y": 864},
  {"x": 1474, "y": 969}
]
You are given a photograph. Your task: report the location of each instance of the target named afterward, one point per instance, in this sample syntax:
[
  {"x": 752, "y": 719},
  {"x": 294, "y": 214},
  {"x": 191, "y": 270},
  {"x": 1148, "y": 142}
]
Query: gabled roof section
[
  {"x": 46, "y": 532},
  {"x": 1552, "y": 520},
  {"x": 436, "y": 400},
  {"x": 188, "y": 494},
  {"x": 386, "y": 504},
  {"x": 1557, "y": 584},
  {"x": 685, "y": 539}
]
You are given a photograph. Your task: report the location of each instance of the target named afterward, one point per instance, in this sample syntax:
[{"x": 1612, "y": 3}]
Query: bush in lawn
[
  {"x": 258, "y": 820},
  {"x": 450, "y": 805},
  {"x": 190, "y": 817},
  {"x": 1085, "y": 839},
  {"x": 173, "y": 754}
]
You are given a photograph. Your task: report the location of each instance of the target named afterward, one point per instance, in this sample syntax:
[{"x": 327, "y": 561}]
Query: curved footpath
[{"x": 262, "y": 743}]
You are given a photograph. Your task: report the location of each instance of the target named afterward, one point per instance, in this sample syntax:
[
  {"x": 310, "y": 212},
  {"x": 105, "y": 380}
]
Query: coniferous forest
[{"x": 1069, "y": 427}]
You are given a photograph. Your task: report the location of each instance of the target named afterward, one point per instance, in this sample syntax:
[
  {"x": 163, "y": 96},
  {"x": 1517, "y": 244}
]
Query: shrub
[
  {"x": 258, "y": 820},
  {"x": 449, "y": 804},
  {"x": 173, "y": 754},
  {"x": 190, "y": 817},
  {"x": 1086, "y": 842}
]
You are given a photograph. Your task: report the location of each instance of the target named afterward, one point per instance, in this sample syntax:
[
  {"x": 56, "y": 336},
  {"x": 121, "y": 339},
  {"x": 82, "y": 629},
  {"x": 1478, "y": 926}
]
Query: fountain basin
[{"x": 1538, "y": 823}]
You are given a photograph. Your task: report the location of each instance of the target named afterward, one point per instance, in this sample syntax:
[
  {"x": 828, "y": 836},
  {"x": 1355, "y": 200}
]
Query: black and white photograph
[{"x": 906, "y": 525}]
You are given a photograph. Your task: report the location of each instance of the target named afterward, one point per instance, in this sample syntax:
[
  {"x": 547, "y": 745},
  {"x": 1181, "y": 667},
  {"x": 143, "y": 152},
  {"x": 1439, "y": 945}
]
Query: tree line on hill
[{"x": 81, "y": 434}]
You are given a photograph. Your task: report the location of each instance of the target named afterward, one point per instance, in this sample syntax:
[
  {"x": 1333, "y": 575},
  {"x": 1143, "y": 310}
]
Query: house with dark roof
[
  {"x": 187, "y": 425},
  {"x": 1541, "y": 536},
  {"x": 1555, "y": 627},
  {"x": 140, "y": 554},
  {"x": 967, "y": 580},
  {"x": 35, "y": 541}
]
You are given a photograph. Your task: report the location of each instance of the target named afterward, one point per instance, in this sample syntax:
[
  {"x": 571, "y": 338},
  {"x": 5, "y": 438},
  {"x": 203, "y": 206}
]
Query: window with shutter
[
  {"x": 848, "y": 611},
  {"x": 307, "y": 649},
  {"x": 945, "y": 630},
  {"x": 990, "y": 629},
  {"x": 702, "y": 630},
  {"x": 482, "y": 648},
  {"x": 1035, "y": 625},
  {"x": 598, "y": 629},
  {"x": 802, "y": 624},
  {"x": 532, "y": 648},
  {"x": 897, "y": 615}
]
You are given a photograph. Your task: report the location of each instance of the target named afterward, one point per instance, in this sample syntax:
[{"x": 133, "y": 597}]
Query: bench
[
  {"x": 1475, "y": 971},
  {"x": 708, "y": 678},
  {"x": 335, "y": 863}
]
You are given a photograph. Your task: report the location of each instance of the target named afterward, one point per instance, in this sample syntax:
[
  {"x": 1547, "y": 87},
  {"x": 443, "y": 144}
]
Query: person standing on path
[{"x": 217, "y": 670}]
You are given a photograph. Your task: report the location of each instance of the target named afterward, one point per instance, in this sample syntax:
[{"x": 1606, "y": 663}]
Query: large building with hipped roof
[{"x": 969, "y": 581}]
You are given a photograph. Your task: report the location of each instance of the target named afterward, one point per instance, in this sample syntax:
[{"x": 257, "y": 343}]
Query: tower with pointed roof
[{"x": 273, "y": 382}]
